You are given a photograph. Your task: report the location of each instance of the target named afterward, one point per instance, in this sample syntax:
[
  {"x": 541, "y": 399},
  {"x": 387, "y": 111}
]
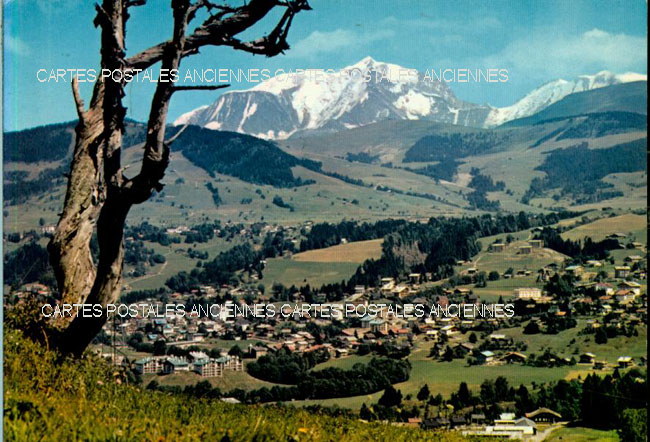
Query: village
[{"x": 196, "y": 346}]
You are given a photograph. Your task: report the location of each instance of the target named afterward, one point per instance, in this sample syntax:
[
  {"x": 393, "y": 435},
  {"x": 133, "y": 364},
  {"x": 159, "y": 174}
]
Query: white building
[{"x": 528, "y": 293}]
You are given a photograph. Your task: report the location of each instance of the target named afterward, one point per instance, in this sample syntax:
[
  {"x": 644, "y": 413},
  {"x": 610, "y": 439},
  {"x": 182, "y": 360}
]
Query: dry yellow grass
[
  {"x": 357, "y": 251},
  {"x": 598, "y": 230}
]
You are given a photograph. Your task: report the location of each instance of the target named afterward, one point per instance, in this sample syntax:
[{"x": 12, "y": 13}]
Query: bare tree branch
[
  {"x": 78, "y": 101},
  {"x": 219, "y": 30},
  {"x": 199, "y": 88}
]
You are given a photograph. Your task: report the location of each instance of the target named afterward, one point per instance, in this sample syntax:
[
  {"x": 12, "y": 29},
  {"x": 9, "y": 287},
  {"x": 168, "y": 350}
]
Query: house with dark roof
[
  {"x": 172, "y": 365},
  {"x": 514, "y": 357},
  {"x": 544, "y": 415},
  {"x": 485, "y": 357}
]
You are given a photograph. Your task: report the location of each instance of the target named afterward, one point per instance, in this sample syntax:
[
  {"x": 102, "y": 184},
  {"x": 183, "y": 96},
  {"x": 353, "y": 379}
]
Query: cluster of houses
[
  {"x": 507, "y": 425},
  {"x": 616, "y": 303},
  {"x": 198, "y": 362}
]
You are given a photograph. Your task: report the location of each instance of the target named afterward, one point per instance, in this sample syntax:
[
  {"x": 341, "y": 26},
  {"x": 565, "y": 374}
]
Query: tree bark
[{"x": 98, "y": 196}]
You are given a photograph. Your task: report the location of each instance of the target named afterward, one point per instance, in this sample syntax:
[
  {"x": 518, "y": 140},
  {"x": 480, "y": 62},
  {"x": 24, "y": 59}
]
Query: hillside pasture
[
  {"x": 629, "y": 224},
  {"x": 357, "y": 252}
]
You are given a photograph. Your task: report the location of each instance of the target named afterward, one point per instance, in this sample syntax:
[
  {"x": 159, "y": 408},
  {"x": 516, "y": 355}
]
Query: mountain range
[{"x": 302, "y": 103}]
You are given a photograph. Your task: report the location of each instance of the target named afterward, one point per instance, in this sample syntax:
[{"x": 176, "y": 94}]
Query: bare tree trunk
[{"x": 98, "y": 195}]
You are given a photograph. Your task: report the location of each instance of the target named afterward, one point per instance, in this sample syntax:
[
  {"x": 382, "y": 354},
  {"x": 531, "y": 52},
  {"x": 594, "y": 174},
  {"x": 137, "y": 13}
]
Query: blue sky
[{"x": 536, "y": 41}]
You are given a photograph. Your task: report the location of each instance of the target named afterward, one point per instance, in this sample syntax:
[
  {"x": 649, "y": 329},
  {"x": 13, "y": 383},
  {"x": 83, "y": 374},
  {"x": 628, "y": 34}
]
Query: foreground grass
[{"x": 86, "y": 399}]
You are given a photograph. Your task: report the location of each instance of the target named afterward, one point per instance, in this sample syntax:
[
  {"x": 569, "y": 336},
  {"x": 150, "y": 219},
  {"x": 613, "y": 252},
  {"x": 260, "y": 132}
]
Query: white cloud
[
  {"x": 544, "y": 55},
  {"x": 327, "y": 42}
]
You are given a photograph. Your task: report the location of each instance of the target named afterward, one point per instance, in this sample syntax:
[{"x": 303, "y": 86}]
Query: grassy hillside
[
  {"x": 626, "y": 97},
  {"x": 631, "y": 224},
  {"x": 345, "y": 186},
  {"x": 88, "y": 400},
  {"x": 582, "y": 434},
  {"x": 299, "y": 273},
  {"x": 357, "y": 251}
]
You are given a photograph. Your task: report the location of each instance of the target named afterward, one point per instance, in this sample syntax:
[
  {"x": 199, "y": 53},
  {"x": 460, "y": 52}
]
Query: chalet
[
  {"x": 172, "y": 365},
  {"x": 196, "y": 356},
  {"x": 485, "y": 357},
  {"x": 377, "y": 325},
  {"x": 604, "y": 287},
  {"x": 625, "y": 361},
  {"x": 415, "y": 278},
  {"x": 587, "y": 358},
  {"x": 508, "y": 426},
  {"x": 525, "y": 250},
  {"x": 431, "y": 334},
  {"x": 477, "y": 418},
  {"x": 387, "y": 284},
  {"x": 497, "y": 247},
  {"x": 208, "y": 368},
  {"x": 631, "y": 285},
  {"x": 435, "y": 423},
  {"x": 544, "y": 415},
  {"x": 259, "y": 350},
  {"x": 399, "y": 331},
  {"x": 536, "y": 243},
  {"x": 623, "y": 296},
  {"x": 464, "y": 348},
  {"x": 498, "y": 337},
  {"x": 600, "y": 365},
  {"x": 528, "y": 293},
  {"x": 365, "y": 321},
  {"x": 401, "y": 291},
  {"x": 148, "y": 365},
  {"x": 594, "y": 263},
  {"x": 341, "y": 352},
  {"x": 449, "y": 330},
  {"x": 633, "y": 258},
  {"x": 574, "y": 270},
  {"x": 621, "y": 271},
  {"x": 514, "y": 357}
]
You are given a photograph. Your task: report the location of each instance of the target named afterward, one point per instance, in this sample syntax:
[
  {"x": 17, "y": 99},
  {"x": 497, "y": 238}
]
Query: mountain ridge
[{"x": 286, "y": 105}]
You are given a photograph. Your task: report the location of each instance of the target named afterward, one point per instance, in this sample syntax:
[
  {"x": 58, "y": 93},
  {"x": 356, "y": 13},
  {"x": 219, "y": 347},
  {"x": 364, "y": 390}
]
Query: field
[
  {"x": 290, "y": 272},
  {"x": 570, "y": 342},
  {"x": 504, "y": 287},
  {"x": 510, "y": 257},
  {"x": 177, "y": 260},
  {"x": 322, "y": 266},
  {"x": 632, "y": 225},
  {"x": 582, "y": 434},
  {"x": 358, "y": 252},
  {"x": 445, "y": 377}
]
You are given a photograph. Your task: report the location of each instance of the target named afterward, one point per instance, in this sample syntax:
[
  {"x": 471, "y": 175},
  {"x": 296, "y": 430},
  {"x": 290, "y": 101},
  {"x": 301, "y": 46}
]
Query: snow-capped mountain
[
  {"x": 364, "y": 93},
  {"x": 554, "y": 91}
]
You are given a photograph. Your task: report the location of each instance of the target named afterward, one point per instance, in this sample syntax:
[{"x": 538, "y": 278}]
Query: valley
[{"x": 546, "y": 213}]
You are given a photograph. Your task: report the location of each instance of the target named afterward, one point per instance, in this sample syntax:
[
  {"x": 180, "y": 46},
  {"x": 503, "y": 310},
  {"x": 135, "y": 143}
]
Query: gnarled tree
[{"x": 98, "y": 194}]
